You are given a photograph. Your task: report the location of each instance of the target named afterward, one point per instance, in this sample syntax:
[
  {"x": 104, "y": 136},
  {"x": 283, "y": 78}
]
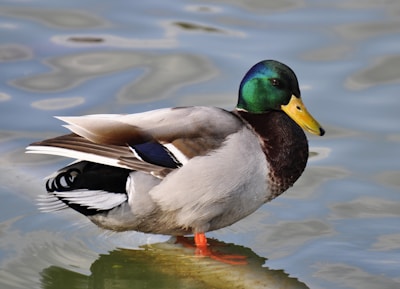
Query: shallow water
[{"x": 336, "y": 228}]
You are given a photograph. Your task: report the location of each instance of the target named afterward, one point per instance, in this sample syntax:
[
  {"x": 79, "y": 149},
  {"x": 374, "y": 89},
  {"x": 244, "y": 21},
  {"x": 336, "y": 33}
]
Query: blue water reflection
[{"x": 336, "y": 228}]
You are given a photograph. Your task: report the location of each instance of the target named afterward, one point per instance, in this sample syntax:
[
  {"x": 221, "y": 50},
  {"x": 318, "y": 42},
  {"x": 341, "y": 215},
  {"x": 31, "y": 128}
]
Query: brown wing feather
[
  {"x": 193, "y": 131},
  {"x": 122, "y": 153},
  {"x": 108, "y": 131}
]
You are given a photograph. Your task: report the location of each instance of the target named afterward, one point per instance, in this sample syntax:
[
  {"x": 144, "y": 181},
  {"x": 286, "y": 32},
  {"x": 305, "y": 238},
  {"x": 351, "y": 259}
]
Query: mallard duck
[{"x": 184, "y": 170}]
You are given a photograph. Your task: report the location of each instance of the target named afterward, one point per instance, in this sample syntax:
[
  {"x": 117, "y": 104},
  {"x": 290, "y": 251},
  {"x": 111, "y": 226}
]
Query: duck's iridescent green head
[
  {"x": 266, "y": 86},
  {"x": 272, "y": 85}
]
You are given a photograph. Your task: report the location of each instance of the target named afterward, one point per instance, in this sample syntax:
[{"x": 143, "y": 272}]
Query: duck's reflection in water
[{"x": 170, "y": 265}]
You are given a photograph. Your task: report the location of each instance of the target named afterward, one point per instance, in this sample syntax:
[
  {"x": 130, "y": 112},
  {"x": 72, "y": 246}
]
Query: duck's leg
[
  {"x": 202, "y": 249},
  {"x": 200, "y": 241}
]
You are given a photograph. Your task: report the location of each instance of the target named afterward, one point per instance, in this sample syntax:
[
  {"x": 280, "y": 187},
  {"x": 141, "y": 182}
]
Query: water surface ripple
[{"x": 336, "y": 228}]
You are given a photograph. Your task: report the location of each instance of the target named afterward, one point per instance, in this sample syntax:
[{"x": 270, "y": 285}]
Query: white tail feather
[
  {"x": 56, "y": 151},
  {"x": 50, "y": 203},
  {"x": 96, "y": 199}
]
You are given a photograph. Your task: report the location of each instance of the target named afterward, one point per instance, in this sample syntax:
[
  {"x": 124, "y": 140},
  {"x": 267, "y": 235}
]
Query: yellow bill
[{"x": 296, "y": 110}]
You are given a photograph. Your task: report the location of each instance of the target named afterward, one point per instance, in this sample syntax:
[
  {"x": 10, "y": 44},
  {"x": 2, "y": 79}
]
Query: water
[{"x": 336, "y": 228}]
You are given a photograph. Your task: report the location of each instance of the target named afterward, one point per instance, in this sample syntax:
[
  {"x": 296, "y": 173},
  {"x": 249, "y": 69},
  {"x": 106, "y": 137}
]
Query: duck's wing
[{"x": 156, "y": 141}]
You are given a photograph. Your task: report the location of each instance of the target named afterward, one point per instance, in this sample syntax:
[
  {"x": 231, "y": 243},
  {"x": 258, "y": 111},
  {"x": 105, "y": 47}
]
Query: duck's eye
[{"x": 275, "y": 82}]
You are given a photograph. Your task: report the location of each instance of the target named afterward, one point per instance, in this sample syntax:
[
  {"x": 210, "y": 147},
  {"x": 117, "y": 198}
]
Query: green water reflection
[{"x": 166, "y": 265}]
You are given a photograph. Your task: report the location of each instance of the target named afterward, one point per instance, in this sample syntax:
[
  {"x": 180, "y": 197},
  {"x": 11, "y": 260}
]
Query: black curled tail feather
[
  {"x": 89, "y": 176},
  {"x": 63, "y": 182},
  {"x": 81, "y": 185}
]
